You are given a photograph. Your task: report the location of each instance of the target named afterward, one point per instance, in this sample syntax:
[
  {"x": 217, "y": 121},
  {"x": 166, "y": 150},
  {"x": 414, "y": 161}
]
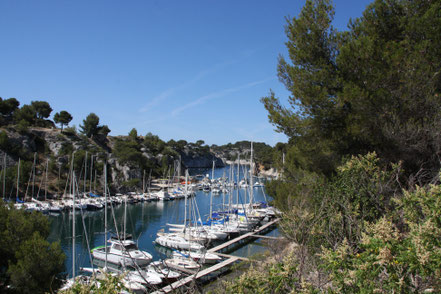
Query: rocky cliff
[{"x": 125, "y": 172}]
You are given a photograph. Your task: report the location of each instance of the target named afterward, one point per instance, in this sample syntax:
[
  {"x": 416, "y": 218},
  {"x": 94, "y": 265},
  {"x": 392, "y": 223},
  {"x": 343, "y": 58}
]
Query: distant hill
[{"x": 27, "y": 133}]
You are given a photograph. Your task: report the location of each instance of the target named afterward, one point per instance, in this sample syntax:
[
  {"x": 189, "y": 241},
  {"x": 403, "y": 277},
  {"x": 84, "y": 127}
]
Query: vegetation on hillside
[
  {"x": 263, "y": 153},
  {"x": 360, "y": 188}
]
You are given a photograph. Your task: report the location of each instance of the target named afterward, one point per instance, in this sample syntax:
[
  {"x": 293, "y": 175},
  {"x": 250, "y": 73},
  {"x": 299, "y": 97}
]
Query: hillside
[{"x": 128, "y": 159}]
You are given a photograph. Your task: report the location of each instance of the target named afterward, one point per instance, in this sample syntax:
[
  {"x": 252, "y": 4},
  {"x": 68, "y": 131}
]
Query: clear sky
[{"x": 180, "y": 69}]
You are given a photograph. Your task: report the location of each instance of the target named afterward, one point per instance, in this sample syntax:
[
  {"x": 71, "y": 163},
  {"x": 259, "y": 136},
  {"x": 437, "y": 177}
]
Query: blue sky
[{"x": 179, "y": 69}]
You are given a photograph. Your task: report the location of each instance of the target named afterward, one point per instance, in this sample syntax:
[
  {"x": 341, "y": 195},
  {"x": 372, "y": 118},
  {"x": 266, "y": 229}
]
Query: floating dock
[
  {"x": 231, "y": 259},
  {"x": 243, "y": 237}
]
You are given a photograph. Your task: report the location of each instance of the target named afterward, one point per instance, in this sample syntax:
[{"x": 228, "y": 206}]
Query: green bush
[{"x": 28, "y": 263}]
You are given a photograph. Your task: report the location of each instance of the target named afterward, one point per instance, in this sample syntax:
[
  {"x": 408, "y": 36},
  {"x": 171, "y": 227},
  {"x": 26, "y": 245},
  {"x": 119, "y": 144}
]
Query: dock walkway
[
  {"x": 242, "y": 237},
  {"x": 231, "y": 259},
  {"x": 182, "y": 282}
]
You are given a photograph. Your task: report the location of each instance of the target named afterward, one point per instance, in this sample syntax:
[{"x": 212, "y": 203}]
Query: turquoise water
[{"x": 143, "y": 221}]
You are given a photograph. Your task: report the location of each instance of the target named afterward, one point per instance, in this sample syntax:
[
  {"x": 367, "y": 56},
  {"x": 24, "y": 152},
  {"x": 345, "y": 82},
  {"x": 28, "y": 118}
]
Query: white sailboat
[
  {"x": 182, "y": 237},
  {"x": 182, "y": 263},
  {"x": 201, "y": 257},
  {"x": 164, "y": 272},
  {"x": 121, "y": 252},
  {"x": 75, "y": 279}
]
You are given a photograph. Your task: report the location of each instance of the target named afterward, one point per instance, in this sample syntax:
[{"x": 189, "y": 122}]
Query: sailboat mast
[
  {"x": 91, "y": 172},
  {"x": 4, "y": 176},
  {"x": 45, "y": 185},
  {"x": 94, "y": 182},
  {"x": 85, "y": 173},
  {"x": 179, "y": 172},
  {"x": 211, "y": 204},
  {"x": 105, "y": 213},
  {"x": 125, "y": 215},
  {"x": 212, "y": 173},
  {"x": 251, "y": 176},
  {"x": 143, "y": 183},
  {"x": 186, "y": 194},
  {"x": 18, "y": 179},
  {"x": 73, "y": 216},
  {"x": 238, "y": 178},
  {"x": 33, "y": 174}
]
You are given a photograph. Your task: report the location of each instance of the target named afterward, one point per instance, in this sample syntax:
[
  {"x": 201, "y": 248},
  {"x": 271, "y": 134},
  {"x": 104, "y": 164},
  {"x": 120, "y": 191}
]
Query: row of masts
[{"x": 192, "y": 208}]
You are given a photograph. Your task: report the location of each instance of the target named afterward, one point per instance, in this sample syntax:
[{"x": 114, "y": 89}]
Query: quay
[{"x": 231, "y": 259}]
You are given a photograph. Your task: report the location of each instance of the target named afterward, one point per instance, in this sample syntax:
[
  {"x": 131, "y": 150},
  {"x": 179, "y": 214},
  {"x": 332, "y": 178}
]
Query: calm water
[{"x": 143, "y": 221}]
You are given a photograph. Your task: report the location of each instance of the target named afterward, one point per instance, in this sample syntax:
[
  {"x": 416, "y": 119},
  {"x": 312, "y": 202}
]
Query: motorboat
[{"x": 122, "y": 253}]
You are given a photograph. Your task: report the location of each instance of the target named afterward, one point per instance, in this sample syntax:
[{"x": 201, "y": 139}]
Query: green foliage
[
  {"x": 132, "y": 183},
  {"x": 154, "y": 143},
  {"x": 128, "y": 152},
  {"x": 372, "y": 88},
  {"x": 90, "y": 125},
  {"x": 103, "y": 131},
  {"x": 79, "y": 157},
  {"x": 8, "y": 106},
  {"x": 178, "y": 146},
  {"x": 23, "y": 127},
  {"x": 71, "y": 131},
  {"x": 273, "y": 278},
  {"x": 38, "y": 263},
  {"x": 66, "y": 148},
  {"x": 42, "y": 109},
  {"x": 392, "y": 260},
  {"x": 27, "y": 261},
  {"x": 263, "y": 153},
  {"x": 4, "y": 141},
  {"x": 25, "y": 115},
  {"x": 108, "y": 283},
  {"x": 7, "y": 109},
  {"x": 396, "y": 249},
  {"x": 133, "y": 134},
  {"x": 319, "y": 211},
  {"x": 63, "y": 118}
]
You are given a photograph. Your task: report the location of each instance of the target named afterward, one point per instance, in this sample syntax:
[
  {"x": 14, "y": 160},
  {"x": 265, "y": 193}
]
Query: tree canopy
[
  {"x": 63, "y": 118},
  {"x": 27, "y": 261},
  {"x": 7, "y": 107},
  {"x": 133, "y": 134},
  {"x": 90, "y": 125},
  {"x": 42, "y": 109},
  {"x": 359, "y": 189},
  {"x": 25, "y": 114},
  {"x": 374, "y": 87}
]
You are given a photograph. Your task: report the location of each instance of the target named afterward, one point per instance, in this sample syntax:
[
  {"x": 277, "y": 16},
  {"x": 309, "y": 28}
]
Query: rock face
[
  {"x": 58, "y": 146},
  {"x": 9, "y": 160},
  {"x": 194, "y": 160}
]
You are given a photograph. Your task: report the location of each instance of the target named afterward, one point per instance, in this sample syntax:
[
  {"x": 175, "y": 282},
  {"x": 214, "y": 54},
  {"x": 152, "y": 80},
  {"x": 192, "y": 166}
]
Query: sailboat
[
  {"x": 122, "y": 252},
  {"x": 80, "y": 279},
  {"x": 181, "y": 238},
  {"x": 201, "y": 257},
  {"x": 182, "y": 262},
  {"x": 164, "y": 272}
]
